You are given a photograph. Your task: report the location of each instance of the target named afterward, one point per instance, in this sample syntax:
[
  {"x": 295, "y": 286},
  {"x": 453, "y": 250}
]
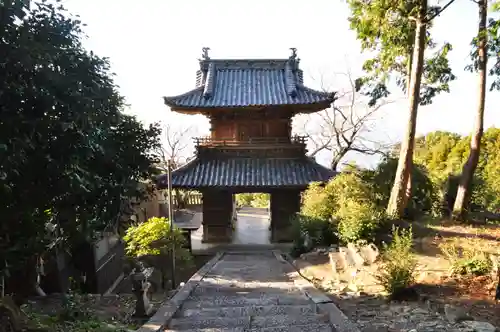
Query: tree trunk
[
  {"x": 337, "y": 157},
  {"x": 396, "y": 205},
  {"x": 463, "y": 193},
  {"x": 408, "y": 187}
]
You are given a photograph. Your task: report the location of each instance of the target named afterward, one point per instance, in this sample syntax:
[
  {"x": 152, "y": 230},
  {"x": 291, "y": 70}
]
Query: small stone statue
[{"x": 140, "y": 288}]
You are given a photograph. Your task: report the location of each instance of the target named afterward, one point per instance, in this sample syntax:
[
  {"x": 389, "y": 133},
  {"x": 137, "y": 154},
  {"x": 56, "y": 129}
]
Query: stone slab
[
  {"x": 238, "y": 301},
  {"x": 316, "y": 327},
  {"x": 246, "y": 321},
  {"x": 211, "y": 329},
  {"x": 196, "y": 323},
  {"x": 247, "y": 311}
]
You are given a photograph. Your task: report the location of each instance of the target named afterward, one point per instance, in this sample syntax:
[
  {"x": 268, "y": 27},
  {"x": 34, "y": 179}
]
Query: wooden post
[{"x": 171, "y": 217}]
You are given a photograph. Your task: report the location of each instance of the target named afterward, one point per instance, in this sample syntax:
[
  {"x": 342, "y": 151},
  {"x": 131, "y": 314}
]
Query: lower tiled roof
[{"x": 247, "y": 172}]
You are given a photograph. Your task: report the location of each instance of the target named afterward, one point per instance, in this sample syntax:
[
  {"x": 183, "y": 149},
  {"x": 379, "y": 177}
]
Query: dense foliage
[
  {"x": 69, "y": 156},
  {"x": 347, "y": 203},
  {"x": 151, "y": 243},
  {"x": 154, "y": 237},
  {"x": 258, "y": 200},
  {"x": 424, "y": 198},
  {"x": 443, "y": 154},
  {"x": 349, "y": 207},
  {"x": 387, "y": 30}
]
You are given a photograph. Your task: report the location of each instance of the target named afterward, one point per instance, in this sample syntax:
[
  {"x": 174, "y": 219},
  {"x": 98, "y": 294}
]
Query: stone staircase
[{"x": 248, "y": 292}]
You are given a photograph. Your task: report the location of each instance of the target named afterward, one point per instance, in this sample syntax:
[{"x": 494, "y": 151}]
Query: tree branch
[
  {"x": 343, "y": 127},
  {"x": 440, "y": 11}
]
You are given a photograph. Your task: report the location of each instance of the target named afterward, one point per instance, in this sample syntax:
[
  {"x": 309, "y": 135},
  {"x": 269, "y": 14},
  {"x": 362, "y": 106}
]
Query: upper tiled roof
[
  {"x": 248, "y": 172},
  {"x": 240, "y": 83}
]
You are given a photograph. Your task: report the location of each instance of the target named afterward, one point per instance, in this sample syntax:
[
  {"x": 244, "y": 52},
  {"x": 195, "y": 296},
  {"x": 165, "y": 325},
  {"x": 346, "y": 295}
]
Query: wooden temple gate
[{"x": 250, "y": 104}]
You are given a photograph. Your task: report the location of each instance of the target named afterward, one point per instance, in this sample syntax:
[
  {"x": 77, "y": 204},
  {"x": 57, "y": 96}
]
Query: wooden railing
[
  {"x": 191, "y": 199},
  {"x": 208, "y": 141}
]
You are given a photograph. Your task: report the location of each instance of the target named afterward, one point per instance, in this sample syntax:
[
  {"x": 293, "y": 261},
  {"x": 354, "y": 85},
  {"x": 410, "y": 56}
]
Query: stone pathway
[
  {"x": 252, "y": 227},
  {"x": 247, "y": 293}
]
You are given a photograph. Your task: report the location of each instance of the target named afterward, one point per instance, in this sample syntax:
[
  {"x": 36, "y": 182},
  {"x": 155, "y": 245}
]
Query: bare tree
[
  {"x": 346, "y": 127},
  {"x": 176, "y": 145}
]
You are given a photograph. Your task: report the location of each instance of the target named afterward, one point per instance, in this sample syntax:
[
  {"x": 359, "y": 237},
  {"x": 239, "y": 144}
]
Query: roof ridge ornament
[
  {"x": 294, "y": 53},
  {"x": 204, "y": 54}
]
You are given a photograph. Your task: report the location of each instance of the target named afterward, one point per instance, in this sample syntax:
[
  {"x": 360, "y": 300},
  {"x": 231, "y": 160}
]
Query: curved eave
[
  {"x": 247, "y": 173},
  {"x": 174, "y": 101},
  {"x": 322, "y": 101}
]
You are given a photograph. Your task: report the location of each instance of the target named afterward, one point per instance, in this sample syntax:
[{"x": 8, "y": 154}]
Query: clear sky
[{"x": 154, "y": 45}]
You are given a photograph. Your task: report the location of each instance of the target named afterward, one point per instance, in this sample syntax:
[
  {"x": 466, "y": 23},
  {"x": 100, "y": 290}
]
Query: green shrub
[
  {"x": 244, "y": 199},
  {"x": 260, "y": 200},
  {"x": 398, "y": 268},
  {"x": 425, "y": 195},
  {"x": 151, "y": 242},
  {"x": 358, "y": 221},
  {"x": 466, "y": 260},
  {"x": 346, "y": 205},
  {"x": 154, "y": 237},
  {"x": 323, "y": 202},
  {"x": 309, "y": 233},
  {"x": 318, "y": 202}
]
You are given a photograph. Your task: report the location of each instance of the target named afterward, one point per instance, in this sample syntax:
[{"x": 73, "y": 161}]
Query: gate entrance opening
[{"x": 252, "y": 224}]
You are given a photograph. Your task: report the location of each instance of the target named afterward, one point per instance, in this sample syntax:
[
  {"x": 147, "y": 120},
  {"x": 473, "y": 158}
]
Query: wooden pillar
[
  {"x": 284, "y": 205},
  {"x": 217, "y": 216}
]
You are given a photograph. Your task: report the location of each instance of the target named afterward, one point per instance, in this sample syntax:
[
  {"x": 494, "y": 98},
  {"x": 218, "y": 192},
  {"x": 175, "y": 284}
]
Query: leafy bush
[
  {"x": 346, "y": 202},
  {"x": 244, "y": 199},
  {"x": 75, "y": 315},
  {"x": 261, "y": 200},
  {"x": 467, "y": 260},
  {"x": 358, "y": 221},
  {"x": 309, "y": 233},
  {"x": 319, "y": 202},
  {"x": 258, "y": 200},
  {"x": 43, "y": 322},
  {"x": 153, "y": 237},
  {"x": 398, "y": 268},
  {"x": 424, "y": 198},
  {"x": 151, "y": 242}
]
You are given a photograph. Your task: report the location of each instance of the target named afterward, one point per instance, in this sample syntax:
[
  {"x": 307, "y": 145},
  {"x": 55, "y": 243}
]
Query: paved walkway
[
  {"x": 252, "y": 228},
  {"x": 248, "y": 293}
]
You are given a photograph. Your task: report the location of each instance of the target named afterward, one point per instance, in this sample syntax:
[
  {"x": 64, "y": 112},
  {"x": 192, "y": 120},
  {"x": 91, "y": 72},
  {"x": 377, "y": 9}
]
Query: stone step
[
  {"x": 247, "y": 311},
  {"x": 315, "y": 327},
  {"x": 211, "y": 329},
  {"x": 246, "y": 322},
  {"x": 227, "y": 290},
  {"x": 245, "y": 249},
  {"x": 208, "y": 301}
]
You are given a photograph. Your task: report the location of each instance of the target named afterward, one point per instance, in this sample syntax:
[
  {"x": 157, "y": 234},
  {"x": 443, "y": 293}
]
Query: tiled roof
[
  {"x": 237, "y": 83},
  {"x": 248, "y": 172}
]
